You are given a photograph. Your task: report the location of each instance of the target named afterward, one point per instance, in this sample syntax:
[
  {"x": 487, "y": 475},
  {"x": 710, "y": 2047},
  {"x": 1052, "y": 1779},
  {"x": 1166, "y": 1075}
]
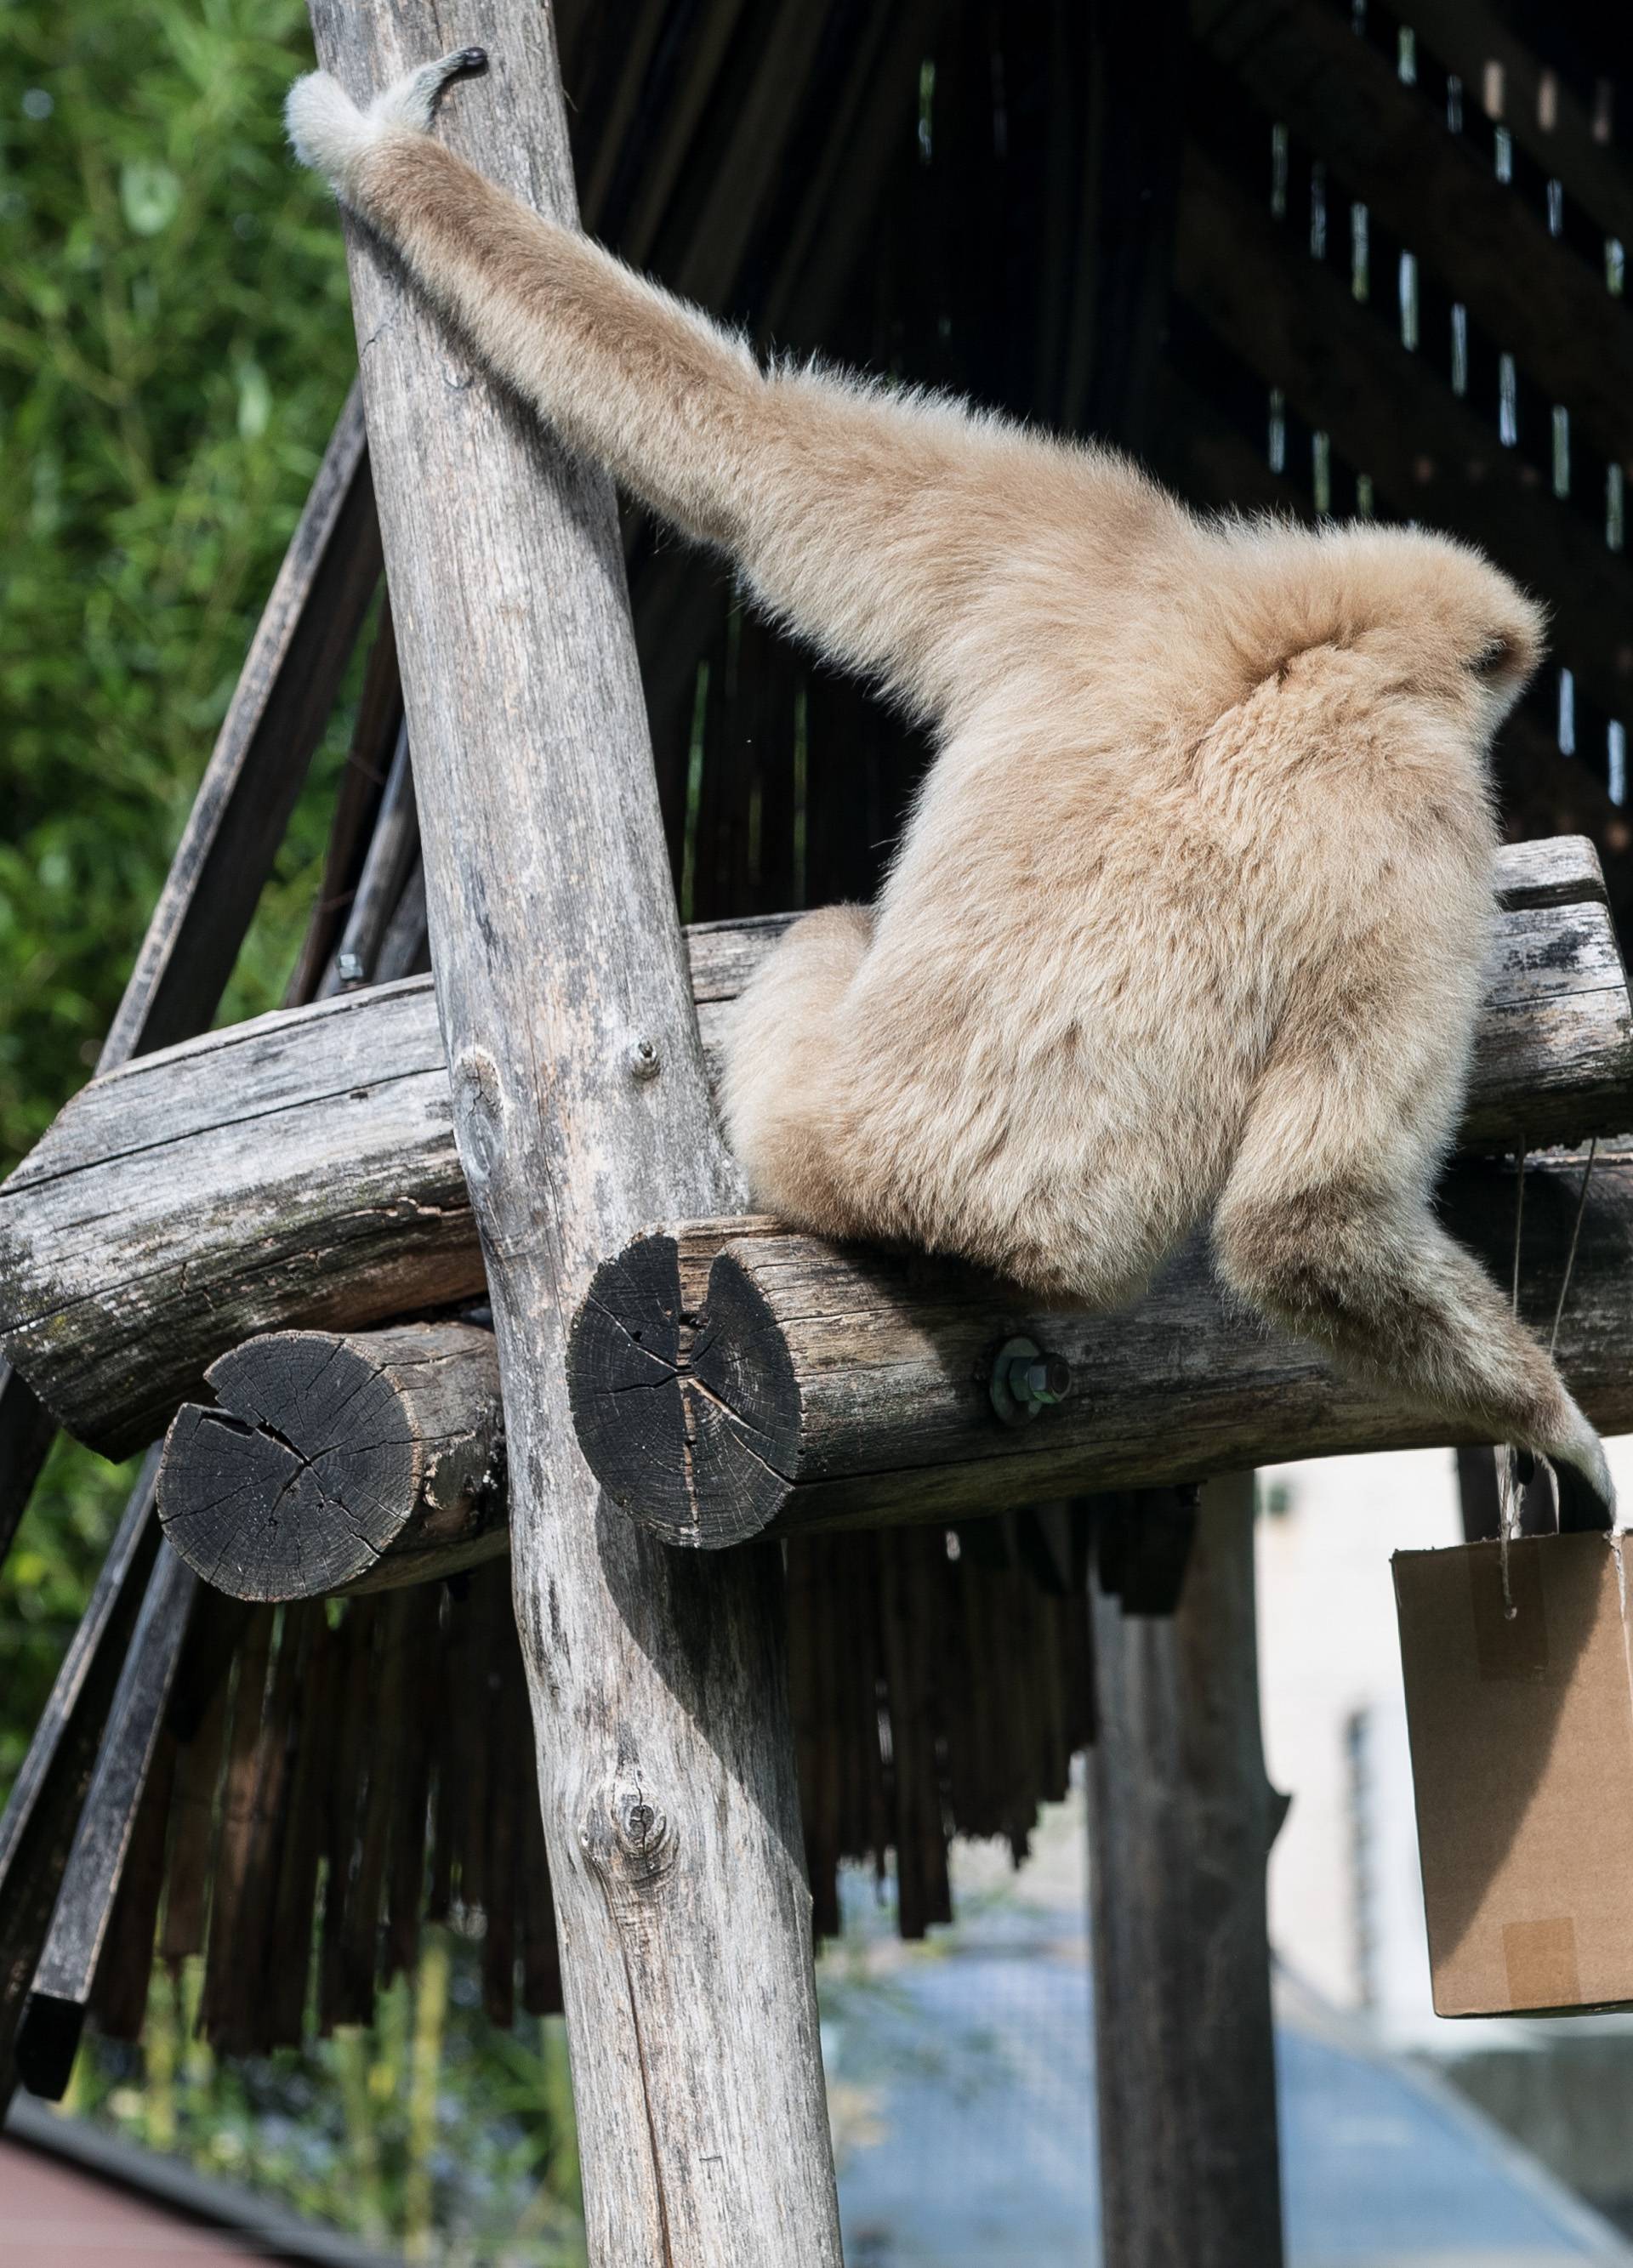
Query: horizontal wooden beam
[
  {"x": 330, "y": 1463},
  {"x": 730, "y": 1379},
  {"x": 300, "y": 1171},
  {"x": 731, "y": 1376}
]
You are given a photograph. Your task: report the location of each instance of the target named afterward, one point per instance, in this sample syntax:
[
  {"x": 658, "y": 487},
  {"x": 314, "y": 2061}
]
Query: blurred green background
[{"x": 175, "y": 342}]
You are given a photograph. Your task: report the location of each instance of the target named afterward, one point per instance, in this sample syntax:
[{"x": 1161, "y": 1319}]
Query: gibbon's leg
[
  {"x": 874, "y": 522},
  {"x": 1362, "y": 1266},
  {"x": 783, "y": 1093}
]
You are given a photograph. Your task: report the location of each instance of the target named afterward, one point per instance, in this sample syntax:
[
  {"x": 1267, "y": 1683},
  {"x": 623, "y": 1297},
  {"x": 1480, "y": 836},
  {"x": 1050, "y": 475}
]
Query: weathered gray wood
[
  {"x": 54, "y": 2014},
  {"x": 290, "y": 678},
  {"x": 329, "y": 1463},
  {"x": 285, "y": 690},
  {"x": 666, "y": 1752},
  {"x": 388, "y": 865},
  {"x": 732, "y": 1379},
  {"x": 46, "y": 1795},
  {"x": 301, "y": 1169},
  {"x": 1181, "y": 1820},
  {"x": 862, "y": 1375},
  {"x": 225, "y": 1166}
]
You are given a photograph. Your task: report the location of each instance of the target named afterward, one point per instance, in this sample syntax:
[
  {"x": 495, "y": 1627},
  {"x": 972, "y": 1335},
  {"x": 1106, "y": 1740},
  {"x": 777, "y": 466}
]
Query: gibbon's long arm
[{"x": 879, "y": 523}]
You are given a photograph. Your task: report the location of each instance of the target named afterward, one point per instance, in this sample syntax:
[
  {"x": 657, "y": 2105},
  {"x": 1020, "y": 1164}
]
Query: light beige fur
[{"x": 1190, "y": 916}]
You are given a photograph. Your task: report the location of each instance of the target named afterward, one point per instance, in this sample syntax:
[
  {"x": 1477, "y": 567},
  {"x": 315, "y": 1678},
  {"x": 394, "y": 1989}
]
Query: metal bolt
[
  {"x": 645, "y": 1061},
  {"x": 1025, "y": 1381},
  {"x": 1044, "y": 1382},
  {"x": 349, "y": 968}
]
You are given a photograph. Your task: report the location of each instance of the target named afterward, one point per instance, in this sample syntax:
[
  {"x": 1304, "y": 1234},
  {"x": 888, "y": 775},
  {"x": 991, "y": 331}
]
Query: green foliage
[
  {"x": 174, "y": 344},
  {"x": 428, "y": 2132}
]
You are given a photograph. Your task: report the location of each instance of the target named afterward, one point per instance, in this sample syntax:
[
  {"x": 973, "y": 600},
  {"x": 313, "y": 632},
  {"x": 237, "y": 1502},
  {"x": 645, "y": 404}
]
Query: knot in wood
[
  {"x": 629, "y": 1841},
  {"x": 478, "y": 1113}
]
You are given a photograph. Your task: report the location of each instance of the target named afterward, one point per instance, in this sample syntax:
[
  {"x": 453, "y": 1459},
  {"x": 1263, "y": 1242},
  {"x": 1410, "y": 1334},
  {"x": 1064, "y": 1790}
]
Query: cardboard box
[{"x": 1521, "y": 1728}]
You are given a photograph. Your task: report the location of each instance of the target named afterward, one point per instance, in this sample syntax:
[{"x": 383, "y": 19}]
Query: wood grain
[
  {"x": 302, "y": 1170},
  {"x": 1180, "y": 1816},
  {"x": 733, "y": 1379},
  {"x": 332, "y": 1463},
  {"x": 659, "y": 1700},
  {"x": 44, "y": 1807},
  {"x": 47, "y": 2036}
]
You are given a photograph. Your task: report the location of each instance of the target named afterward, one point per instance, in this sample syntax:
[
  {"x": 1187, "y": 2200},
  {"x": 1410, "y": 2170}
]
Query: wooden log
[
  {"x": 731, "y": 1378},
  {"x": 859, "y": 1382},
  {"x": 333, "y": 1463},
  {"x": 301, "y": 1169},
  {"x": 1180, "y": 1828},
  {"x": 48, "y": 2037},
  {"x": 665, "y": 1763}
]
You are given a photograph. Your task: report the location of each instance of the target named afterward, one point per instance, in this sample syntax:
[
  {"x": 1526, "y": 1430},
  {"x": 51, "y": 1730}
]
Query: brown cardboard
[{"x": 1521, "y": 1728}]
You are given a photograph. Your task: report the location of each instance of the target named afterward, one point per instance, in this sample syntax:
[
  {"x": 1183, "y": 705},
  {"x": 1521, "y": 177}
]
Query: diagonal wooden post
[{"x": 666, "y": 1757}]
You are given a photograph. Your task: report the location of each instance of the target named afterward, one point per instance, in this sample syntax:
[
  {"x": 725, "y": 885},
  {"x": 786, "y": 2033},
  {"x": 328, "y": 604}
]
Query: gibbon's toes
[{"x": 413, "y": 100}]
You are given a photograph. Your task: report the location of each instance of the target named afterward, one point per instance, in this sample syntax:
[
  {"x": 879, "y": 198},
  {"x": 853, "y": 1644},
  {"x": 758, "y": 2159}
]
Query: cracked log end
[
  {"x": 688, "y": 1417},
  {"x": 337, "y": 1462}
]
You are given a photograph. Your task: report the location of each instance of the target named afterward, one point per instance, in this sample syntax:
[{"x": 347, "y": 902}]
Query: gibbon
[{"x": 1189, "y": 918}]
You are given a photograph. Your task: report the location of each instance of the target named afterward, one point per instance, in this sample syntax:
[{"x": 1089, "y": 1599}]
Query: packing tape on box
[{"x": 1541, "y": 1957}]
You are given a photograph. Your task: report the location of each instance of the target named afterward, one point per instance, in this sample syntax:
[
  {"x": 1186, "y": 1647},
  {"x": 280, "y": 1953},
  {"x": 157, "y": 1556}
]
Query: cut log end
[
  {"x": 333, "y": 1463},
  {"x": 689, "y": 1418}
]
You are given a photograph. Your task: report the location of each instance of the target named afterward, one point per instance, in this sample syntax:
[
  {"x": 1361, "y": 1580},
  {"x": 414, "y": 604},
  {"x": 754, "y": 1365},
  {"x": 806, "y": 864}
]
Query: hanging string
[
  {"x": 1576, "y": 1234},
  {"x": 1509, "y": 1490},
  {"x": 1507, "y": 1457}
]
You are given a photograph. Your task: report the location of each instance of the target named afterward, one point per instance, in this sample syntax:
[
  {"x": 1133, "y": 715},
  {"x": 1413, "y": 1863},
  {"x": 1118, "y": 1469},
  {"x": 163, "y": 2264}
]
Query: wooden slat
[
  {"x": 285, "y": 691},
  {"x": 1535, "y": 103},
  {"x": 1294, "y": 320},
  {"x": 43, "y": 1812},
  {"x": 48, "y": 2036},
  {"x": 1302, "y": 63}
]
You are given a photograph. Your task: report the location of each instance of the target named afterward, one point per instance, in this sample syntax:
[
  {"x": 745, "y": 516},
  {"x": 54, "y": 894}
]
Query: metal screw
[
  {"x": 1025, "y": 1381},
  {"x": 349, "y": 967},
  {"x": 645, "y": 1061}
]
